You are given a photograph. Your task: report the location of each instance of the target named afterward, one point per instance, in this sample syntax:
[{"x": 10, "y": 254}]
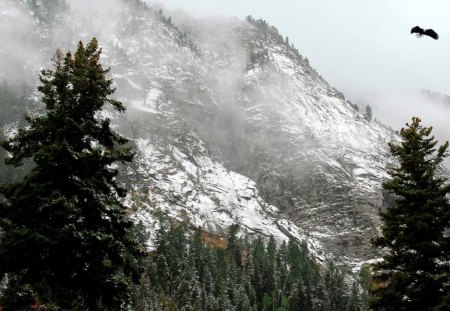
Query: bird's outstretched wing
[
  {"x": 431, "y": 33},
  {"x": 417, "y": 29}
]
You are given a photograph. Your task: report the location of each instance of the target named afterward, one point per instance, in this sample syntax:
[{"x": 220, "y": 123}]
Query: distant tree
[
  {"x": 184, "y": 273},
  {"x": 368, "y": 113},
  {"x": 258, "y": 258},
  {"x": 354, "y": 106},
  {"x": 354, "y": 301},
  {"x": 67, "y": 239},
  {"x": 269, "y": 278},
  {"x": 335, "y": 289},
  {"x": 414, "y": 272},
  {"x": 364, "y": 279},
  {"x": 261, "y": 24},
  {"x": 233, "y": 245},
  {"x": 249, "y": 19}
]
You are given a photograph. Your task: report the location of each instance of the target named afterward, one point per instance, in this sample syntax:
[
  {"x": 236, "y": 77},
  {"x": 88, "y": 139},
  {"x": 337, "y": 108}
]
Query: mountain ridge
[{"x": 236, "y": 128}]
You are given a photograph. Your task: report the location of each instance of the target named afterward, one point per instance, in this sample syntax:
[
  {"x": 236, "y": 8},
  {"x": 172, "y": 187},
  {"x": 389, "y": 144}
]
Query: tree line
[{"x": 196, "y": 271}]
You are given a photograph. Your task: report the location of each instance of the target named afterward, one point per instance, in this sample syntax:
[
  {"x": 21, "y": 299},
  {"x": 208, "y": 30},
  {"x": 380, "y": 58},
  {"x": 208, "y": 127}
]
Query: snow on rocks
[{"x": 207, "y": 194}]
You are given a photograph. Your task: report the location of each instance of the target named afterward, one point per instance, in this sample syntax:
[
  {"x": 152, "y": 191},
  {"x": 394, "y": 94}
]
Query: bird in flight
[{"x": 427, "y": 32}]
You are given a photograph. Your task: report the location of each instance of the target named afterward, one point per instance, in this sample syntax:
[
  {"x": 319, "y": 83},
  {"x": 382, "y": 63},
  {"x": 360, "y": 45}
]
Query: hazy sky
[{"x": 363, "y": 48}]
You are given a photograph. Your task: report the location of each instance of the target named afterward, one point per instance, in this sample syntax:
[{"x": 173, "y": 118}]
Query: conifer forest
[{"x": 154, "y": 160}]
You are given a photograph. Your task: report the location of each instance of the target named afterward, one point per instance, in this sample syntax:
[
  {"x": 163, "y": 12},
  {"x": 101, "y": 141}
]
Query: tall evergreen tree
[
  {"x": 354, "y": 301},
  {"x": 233, "y": 247},
  {"x": 414, "y": 272},
  {"x": 67, "y": 240},
  {"x": 335, "y": 289}
]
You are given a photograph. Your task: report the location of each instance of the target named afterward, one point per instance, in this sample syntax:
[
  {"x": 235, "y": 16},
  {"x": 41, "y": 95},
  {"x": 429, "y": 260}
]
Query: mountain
[{"x": 230, "y": 123}]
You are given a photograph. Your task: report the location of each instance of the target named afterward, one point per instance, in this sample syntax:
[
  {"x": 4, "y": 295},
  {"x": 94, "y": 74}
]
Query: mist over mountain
[{"x": 231, "y": 124}]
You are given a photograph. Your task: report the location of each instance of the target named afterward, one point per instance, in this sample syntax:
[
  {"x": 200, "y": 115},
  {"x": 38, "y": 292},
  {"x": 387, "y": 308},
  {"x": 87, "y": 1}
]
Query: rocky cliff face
[{"x": 231, "y": 125}]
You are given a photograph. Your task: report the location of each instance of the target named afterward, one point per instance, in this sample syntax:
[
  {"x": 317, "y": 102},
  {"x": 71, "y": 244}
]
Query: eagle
[{"x": 428, "y": 32}]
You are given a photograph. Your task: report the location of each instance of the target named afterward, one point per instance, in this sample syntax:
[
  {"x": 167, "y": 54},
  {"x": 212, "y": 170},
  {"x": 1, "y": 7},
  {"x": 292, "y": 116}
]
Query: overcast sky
[{"x": 363, "y": 48}]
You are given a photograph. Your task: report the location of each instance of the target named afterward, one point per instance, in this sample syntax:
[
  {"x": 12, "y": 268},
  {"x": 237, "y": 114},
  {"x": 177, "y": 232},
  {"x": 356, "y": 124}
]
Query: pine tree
[
  {"x": 363, "y": 281},
  {"x": 258, "y": 256},
  {"x": 368, "y": 113},
  {"x": 67, "y": 239},
  {"x": 335, "y": 289},
  {"x": 281, "y": 274},
  {"x": 354, "y": 302},
  {"x": 413, "y": 274},
  {"x": 233, "y": 247}
]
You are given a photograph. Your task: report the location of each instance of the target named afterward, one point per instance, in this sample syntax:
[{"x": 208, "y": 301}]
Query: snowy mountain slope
[
  {"x": 232, "y": 125},
  {"x": 173, "y": 172},
  {"x": 311, "y": 154},
  {"x": 335, "y": 158}
]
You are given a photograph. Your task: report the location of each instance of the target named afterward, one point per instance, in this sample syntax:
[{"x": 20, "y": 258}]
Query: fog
[
  {"x": 389, "y": 78},
  {"x": 17, "y": 48},
  {"x": 28, "y": 47},
  {"x": 397, "y": 107},
  {"x": 362, "y": 48},
  {"x": 100, "y": 17},
  {"x": 190, "y": 104}
]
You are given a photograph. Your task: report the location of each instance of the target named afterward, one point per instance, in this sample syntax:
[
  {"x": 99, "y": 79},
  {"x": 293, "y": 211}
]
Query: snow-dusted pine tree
[
  {"x": 67, "y": 241},
  {"x": 414, "y": 272}
]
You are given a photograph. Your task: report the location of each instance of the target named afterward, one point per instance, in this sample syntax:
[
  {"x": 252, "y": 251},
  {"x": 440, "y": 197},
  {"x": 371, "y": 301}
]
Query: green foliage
[
  {"x": 364, "y": 279},
  {"x": 335, "y": 289},
  {"x": 185, "y": 273},
  {"x": 414, "y": 273},
  {"x": 67, "y": 240}
]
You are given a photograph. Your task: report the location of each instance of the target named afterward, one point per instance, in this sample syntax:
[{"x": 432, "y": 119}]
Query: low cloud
[
  {"x": 395, "y": 108},
  {"x": 16, "y": 34}
]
